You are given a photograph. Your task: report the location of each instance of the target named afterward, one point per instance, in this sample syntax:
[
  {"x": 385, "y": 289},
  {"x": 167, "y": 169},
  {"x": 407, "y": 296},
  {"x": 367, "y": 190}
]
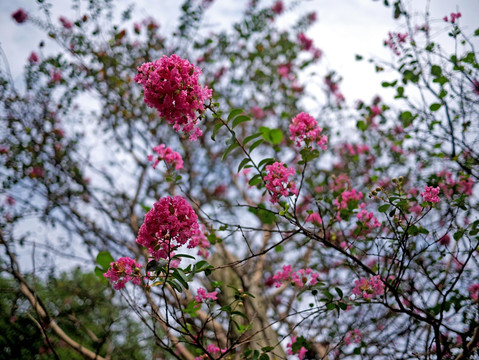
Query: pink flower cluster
[
  {"x": 171, "y": 86},
  {"x": 278, "y": 7},
  {"x": 298, "y": 278},
  {"x": 301, "y": 353},
  {"x": 367, "y": 218},
  {"x": 454, "y": 17},
  {"x": 333, "y": 88},
  {"x": 200, "y": 241},
  {"x": 348, "y": 196},
  {"x": 394, "y": 40},
  {"x": 430, "y": 194},
  {"x": 474, "y": 291},
  {"x": 354, "y": 149},
  {"x": 168, "y": 225},
  {"x": 307, "y": 44},
  {"x": 314, "y": 218},
  {"x": 277, "y": 181},
  {"x": 213, "y": 350},
  {"x": 169, "y": 156},
  {"x": 369, "y": 289},
  {"x": 203, "y": 295},
  {"x": 305, "y": 128},
  {"x": 65, "y": 22},
  {"x": 447, "y": 184},
  {"x": 353, "y": 336},
  {"x": 123, "y": 270},
  {"x": 20, "y": 16}
]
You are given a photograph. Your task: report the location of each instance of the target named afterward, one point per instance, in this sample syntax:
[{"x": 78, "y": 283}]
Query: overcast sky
[{"x": 345, "y": 28}]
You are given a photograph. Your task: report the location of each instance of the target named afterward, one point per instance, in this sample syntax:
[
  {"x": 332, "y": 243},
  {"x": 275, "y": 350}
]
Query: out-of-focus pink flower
[
  {"x": 305, "y": 42},
  {"x": 369, "y": 288},
  {"x": 353, "y": 336},
  {"x": 430, "y": 194},
  {"x": 474, "y": 291},
  {"x": 20, "y": 16},
  {"x": 33, "y": 58},
  {"x": 65, "y": 22},
  {"x": 55, "y": 76},
  {"x": 305, "y": 128},
  {"x": 278, "y": 7},
  {"x": 257, "y": 112},
  {"x": 167, "y": 155}
]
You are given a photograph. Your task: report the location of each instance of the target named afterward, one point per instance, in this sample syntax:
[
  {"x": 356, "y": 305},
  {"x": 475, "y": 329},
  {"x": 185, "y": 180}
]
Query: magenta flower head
[
  {"x": 123, "y": 270},
  {"x": 171, "y": 87},
  {"x": 305, "y": 128},
  {"x": 168, "y": 225},
  {"x": 277, "y": 181},
  {"x": 20, "y": 16},
  {"x": 430, "y": 194}
]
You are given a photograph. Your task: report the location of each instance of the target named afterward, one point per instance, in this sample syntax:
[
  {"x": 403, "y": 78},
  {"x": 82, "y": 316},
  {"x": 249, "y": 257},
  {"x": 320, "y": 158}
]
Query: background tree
[{"x": 292, "y": 257}]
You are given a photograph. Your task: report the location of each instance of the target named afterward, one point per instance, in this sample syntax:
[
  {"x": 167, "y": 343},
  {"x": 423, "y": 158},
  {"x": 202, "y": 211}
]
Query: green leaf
[
  {"x": 256, "y": 144},
  {"x": 458, "y": 234},
  {"x": 476, "y": 33},
  {"x": 243, "y": 163},
  {"x": 330, "y": 306},
  {"x": 265, "y": 162},
  {"x": 154, "y": 265},
  {"x": 361, "y": 125},
  {"x": 215, "y": 130},
  {"x": 250, "y": 137},
  {"x": 436, "y": 70},
  {"x": 339, "y": 291},
  {"x": 240, "y": 119},
  {"x": 234, "y": 113},
  {"x": 104, "y": 259},
  {"x": 229, "y": 149},
  {"x": 99, "y": 273},
  {"x": 435, "y": 107},
  {"x": 383, "y": 208},
  {"x": 276, "y": 136},
  {"x": 255, "y": 180}
]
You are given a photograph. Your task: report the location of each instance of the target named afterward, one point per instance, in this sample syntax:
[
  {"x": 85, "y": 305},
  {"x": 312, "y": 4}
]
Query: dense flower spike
[
  {"x": 167, "y": 155},
  {"x": 123, "y": 270},
  {"x": 369, "y": 289},
  {"x": 170, "y": 224},
  {"x": 430, "y": 194},
  {"x": 305, "y": 128},
  {"x": 277, "y": 181},
  {"x": 171, "y": 86}
]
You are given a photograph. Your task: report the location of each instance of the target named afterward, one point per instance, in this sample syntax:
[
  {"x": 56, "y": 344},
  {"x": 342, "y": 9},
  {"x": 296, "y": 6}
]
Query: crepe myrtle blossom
[
  {"x": 212, "y": 350},
  {"x": 353, "y": 336},
  {"x": 203, "y": 295},
  {"x": 430, "y": 194},
  {"x": 123, "y": 270},
  {"x": 278, "y": 7},
  {"x": 170, "y": 224},
  {"x": 305, "y": 128},
  {"x": 171, "y": 87},
  {"x": 474, "y": 291},
  {"x": 277, "y": 181},
  {"x": 297, "y": 278},
  {"x": 369, "y": 288},
  {"x": 301, "y": 353},
  {"x": 65, "y": 22},
  {"x": 167, "y": 155},
  {"x": 20, "y": 16},
  {"x": 454, "y": 17}
]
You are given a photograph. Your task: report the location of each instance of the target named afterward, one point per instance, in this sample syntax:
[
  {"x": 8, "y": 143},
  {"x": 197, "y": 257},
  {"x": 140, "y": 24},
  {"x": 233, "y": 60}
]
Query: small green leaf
[
  {"x": 435, "y": 107},
  {"x": 361, "y": 125},
  {"x": 255, "y": 180},
  {"x": 276, "y": 136},
  {"x": 330, "y": 306},
  {"x": 383, "y": 208},
  {"x": 436, "y": 70},
  {"x": 99, "y": 273},
  {"x": 215, "y": 130},
  {"x": 229, "y": 149},
  {"x": 234, "y": 113},
  {"x": 104, "y": 259},
  {"x": 243, "y": 163},
  {"x": 256, "y": 144},
  {"x": 250, "y": 137},
  {"x": 240, "y": 119}
]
